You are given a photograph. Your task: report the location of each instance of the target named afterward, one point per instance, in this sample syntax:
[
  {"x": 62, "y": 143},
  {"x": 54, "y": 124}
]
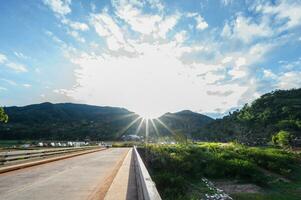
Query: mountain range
[
  {"x": 69, "y": 121},
  {"x": 254, "y": 123}
]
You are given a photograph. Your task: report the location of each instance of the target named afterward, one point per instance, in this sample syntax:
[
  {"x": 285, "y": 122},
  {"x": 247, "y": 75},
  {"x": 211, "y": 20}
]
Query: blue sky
[{"x": 149, "y": 56}]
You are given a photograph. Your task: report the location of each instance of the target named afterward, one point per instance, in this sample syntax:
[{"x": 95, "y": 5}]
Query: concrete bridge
[{"x": 111, "y": 174}]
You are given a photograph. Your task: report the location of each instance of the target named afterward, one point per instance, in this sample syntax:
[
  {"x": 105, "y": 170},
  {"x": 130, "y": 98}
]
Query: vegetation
[
  {"x": 283, "y": 139},
  {"x": 178, "y": 170},
  {"x": 3, "y": 116},
  {"x": 185, "y": 123},
  {"x": 68, "y": 121},
  {"x": 255, "y": 124},
  {"x": 65, "y": 121}
]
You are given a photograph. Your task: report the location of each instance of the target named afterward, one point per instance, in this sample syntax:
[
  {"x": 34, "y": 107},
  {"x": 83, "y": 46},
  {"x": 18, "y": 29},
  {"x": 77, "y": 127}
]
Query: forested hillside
[
  {"x": 67, "y": 121},
  {"x": 258, "y": 121},
  {"x": 185, "y": 122},
  {"x": 64, "y": 121},
  {"x": 255, "y": 123}
]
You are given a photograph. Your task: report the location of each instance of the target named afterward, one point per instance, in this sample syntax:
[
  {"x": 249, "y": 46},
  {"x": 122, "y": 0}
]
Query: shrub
[{"x": 282, "y": 138}]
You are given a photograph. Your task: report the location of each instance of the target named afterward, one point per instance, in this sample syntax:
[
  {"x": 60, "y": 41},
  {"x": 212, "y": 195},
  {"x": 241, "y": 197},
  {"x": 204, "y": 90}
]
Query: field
[
  {"x": 11, "y": 143},
  {"x": 212, "y": 170}
]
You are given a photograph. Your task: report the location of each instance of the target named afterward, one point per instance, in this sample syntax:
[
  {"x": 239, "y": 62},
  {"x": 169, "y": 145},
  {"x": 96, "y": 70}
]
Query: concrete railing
[
  {"x": 146, "y": 187},
  {"x": 13, "y": 156}
]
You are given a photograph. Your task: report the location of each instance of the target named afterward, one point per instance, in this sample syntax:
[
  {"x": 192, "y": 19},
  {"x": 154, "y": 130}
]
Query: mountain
[
  {"x": 257, "y": 122},
  {"x": 185, "y": 122},
  {"x": 68, "y": 121},
  {"x": 64, "y": 121}
]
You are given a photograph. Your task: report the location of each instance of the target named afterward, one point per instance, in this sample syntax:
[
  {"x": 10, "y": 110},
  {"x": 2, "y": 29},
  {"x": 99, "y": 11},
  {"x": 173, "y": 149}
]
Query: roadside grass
[
  {"x": 126, "y": 144},
  {"x": 178, "y": 169},
  {"x": 9, "y": 143}
]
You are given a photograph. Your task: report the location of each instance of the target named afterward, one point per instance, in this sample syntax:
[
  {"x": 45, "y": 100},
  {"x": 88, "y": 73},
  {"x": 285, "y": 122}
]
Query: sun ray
[
  {"x": 139, "y": 126},
  {"x": 146, "y": 130},
  {"x": 120, "y": 133},
  {"x": 155, "y": 127},
  {"x": 166, "y": 127},
  {"x": 126, "y": 116}
]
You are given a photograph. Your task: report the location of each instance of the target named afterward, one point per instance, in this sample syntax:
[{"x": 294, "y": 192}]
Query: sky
[{"x": 149, "y": 56}]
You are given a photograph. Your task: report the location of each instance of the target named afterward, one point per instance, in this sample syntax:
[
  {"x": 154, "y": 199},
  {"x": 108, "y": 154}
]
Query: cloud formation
[
  {"x": 163, "y": 56},
  {"x": 149, "y": 64},
  {"x": 61, "y": 7}
]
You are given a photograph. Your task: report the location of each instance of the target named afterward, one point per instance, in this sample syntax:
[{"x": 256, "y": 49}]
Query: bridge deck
[{"x": 84, "y": 177}]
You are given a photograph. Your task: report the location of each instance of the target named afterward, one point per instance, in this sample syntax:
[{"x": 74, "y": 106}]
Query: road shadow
[{"x": 132, "y": 190}]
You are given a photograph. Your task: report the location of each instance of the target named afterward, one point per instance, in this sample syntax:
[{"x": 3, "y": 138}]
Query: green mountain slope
[
  {"x": 184, "y": 122},
  {"x": 64, "y": 121},
  {"x": 67, "y": 121},
  {"x": 257, "y": 122}
]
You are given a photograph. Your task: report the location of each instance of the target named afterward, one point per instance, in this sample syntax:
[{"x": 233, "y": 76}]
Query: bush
[
  {"x": 175, "y": 167},
  {"x": 282, "y": 138}
]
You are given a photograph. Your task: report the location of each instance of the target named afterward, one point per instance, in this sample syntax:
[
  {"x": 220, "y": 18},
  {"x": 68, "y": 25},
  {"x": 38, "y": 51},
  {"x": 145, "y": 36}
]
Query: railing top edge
[{"x": 151, "y": 192}]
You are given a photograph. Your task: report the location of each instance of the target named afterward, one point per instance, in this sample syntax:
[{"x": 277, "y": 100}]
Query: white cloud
[
  {"x": 26, "y": 85},
  {"x": 78, "y": 26},
  {"x": 106, "y": 27},
  {"x": 226, "y": 2},
  {"x": 20, "y": 55},
  {"x": 157, "y": 4},
  {"x": 61, "y": 7},
  {"x": 244, "y": 29},
  {"x": 17, "y": 67},
  {"x": 93, "y": 6},
  {"x": 289, "y": 65},
  {"x": 180, "y": 37},
  {"x": 201, "y": 23},
  {"x": 142, "y": 23},
  {"x": 3, "y": 88},
  {"x": 269, "y": 74},
  {"x": 76, "y": 35},
  {"x": 237, "y": 72},
  {"x": 155, "y": 76},
  {"x": 289, "y": 80},
  {"x": 14, "y": 66},
  {"x": 60, "y": 91},
  {"x": 166, "y": 25},
  {"x": 11, "y": 82},
  {"x": 147, "y": 65},
  {"x": 156, "y": 25},
  {"x": 67, "y": 49},
  {"x": 227, "y": 59},
  {"x": 285, "y": 11},
  {"x": 3, "y": 58},
  {"x": 240, "y": 61}
]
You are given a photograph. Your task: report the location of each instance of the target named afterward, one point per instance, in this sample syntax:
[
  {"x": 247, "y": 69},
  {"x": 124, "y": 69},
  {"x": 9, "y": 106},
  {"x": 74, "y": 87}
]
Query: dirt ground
[{"x": 231, "y": 187}]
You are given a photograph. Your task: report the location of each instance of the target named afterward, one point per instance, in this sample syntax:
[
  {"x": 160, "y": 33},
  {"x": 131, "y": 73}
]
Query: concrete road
[{"x": 78, "y": 178}]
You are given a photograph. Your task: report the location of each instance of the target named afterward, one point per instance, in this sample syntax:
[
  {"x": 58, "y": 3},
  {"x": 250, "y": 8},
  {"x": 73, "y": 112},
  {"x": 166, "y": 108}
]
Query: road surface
[{"x": 78, "y": 178}]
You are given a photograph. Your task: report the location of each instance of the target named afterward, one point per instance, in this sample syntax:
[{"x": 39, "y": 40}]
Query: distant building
[
  {"x": 25, "y": 145},
  {"x": 132, "y": 138}
]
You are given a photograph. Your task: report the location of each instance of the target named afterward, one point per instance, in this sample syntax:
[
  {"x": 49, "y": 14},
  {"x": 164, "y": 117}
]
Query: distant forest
[{"x": 255, "y": 123}]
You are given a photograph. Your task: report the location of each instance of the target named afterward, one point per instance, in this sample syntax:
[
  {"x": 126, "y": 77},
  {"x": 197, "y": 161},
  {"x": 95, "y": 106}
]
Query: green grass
[
  {"x": 178, "y": 169},
  {"x": 126, "y": 144},
  {"x": 10, "y": 143}
]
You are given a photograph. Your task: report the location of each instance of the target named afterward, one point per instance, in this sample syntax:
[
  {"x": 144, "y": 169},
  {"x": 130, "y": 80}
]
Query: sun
[{"x": 148, "y": 114}]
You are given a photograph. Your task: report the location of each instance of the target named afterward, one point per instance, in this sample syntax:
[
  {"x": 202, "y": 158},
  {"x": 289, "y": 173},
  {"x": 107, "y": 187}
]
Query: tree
[
  {"x": 282, "y": 138},
  {"x": 3, "y": 116}
]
